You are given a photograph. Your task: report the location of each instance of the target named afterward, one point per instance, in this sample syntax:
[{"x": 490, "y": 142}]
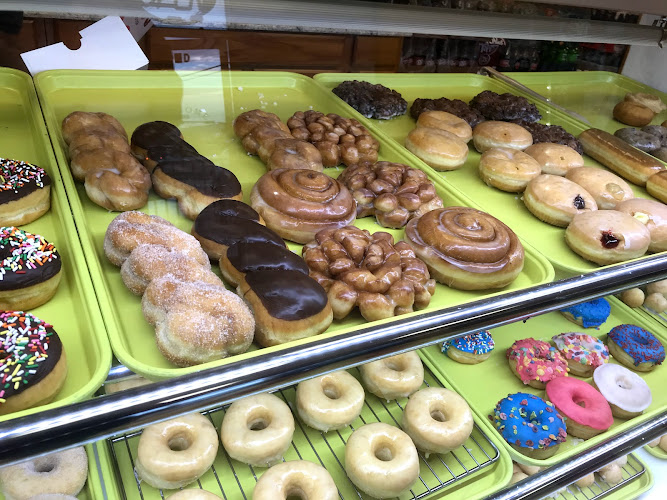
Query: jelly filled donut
[
  {"x": 330, "y": 402},
  {"x": 25, "y": 192},
  {"x": 625, "y": 391},
  {"x": 536, "y": 362},
  {"x": 30, "y": 269},
  {"x": 583, "y": 352},
  {"x": 297, "y": 479},
  {"x": 64, "y": 472},
  {"x": 587, "y": 410},
  {"x": 394, "y": 377},
  {"x": 437, "y": 420},
  {"x": 556, "y": 200},
  {"x": 470, "y": 349},
  {"x": 635, "y": 347},
  {"x": 381, "y": 460},
  {"x": 176, "y": 452},
  {"x": 530, "y": 425},
  {"x": 589, "y": 314},
  {"x": 257, "y": 430},
  {"x": 33, "y": 366}
]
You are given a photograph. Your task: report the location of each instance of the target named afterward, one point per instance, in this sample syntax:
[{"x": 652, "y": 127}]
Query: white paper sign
[{"x": 107, "y": 44}]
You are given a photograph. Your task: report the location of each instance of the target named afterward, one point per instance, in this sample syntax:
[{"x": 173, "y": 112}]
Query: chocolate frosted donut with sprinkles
[
  {"x": 29, "y": 271},
  {"x": 25, "y": 192},
  {"x": 32, "y": 362}
]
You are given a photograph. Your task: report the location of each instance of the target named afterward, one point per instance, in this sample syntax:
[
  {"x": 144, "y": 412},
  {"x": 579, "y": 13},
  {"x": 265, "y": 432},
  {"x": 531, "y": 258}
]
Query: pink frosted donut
[{"x": 586, "y": 409}]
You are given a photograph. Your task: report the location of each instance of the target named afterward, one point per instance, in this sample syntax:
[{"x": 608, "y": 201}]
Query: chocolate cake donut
[
  {"x": 372, "y": 101},
  {"x": 551, "y": 133},
  {"x": 504, "y": 107},
  {"x": 453, "y": 106}
]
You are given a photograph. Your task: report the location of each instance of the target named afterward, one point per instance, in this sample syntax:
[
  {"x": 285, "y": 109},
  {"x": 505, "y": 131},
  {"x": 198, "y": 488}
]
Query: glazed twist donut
[
  {"x": 246, "y": 123},
  {"x": 297, "y": 204},
  {"x": 100, "y": 156},
  {"x": 465, "y": 248},
  {"x": 393, "y": 192},
  {"x": 369, "y": 271}
]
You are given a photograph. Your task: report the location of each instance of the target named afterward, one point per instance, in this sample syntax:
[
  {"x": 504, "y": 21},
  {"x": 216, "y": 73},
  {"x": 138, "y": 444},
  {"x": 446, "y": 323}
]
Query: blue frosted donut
[
  {"x": 528, "y": 422},
  {"x": 639, "y": 344},
  {"x": 588, "y": 314},
  {"x": 474, "y": 343}
]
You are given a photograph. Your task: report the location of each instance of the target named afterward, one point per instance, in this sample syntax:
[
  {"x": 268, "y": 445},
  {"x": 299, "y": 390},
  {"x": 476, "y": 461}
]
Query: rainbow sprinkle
[
  {"x": 475, "y": 343},
  {"x": 27, "y": 250},
  {"x": 16, "y": 174},
  {"x": 24, "y": 342}
]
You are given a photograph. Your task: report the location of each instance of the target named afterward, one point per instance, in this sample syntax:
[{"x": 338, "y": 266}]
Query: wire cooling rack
[
  {"x": 631, "y": 471},
  {"x": 233, "y": 480}
]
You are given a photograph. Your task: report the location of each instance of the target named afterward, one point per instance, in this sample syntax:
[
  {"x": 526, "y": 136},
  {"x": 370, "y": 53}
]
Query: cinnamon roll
[
  {"x": 297, "y": 204},
  {"x": 465, "y": 248}
]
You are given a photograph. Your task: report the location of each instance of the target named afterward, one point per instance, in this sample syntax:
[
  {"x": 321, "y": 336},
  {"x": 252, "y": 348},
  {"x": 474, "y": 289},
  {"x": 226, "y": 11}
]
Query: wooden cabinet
[{"x": 31, "y": 36}]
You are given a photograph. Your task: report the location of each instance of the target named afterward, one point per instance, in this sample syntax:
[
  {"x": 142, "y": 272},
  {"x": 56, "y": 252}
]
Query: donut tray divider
[
  {"x": 235, "y": 480},
  {"x": 656, "y": 452},
  {"x": 507, "y": 207},
  {"x": 500, "y": 381},
  {"x": 135, "y": 97}
]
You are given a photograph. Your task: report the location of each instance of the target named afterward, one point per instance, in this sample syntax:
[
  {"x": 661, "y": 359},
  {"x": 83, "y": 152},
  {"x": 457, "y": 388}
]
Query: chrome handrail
[{"x": 105, "y": 416}]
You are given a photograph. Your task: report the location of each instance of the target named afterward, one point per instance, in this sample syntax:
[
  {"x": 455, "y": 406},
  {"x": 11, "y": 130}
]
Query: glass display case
[{"x": 246, "y": 196}]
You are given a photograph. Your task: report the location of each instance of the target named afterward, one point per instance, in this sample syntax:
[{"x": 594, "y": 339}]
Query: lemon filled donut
[
  {"x": 25, "y": 192},
  {"x": 381, "y": 460},
  {"x": 606, "y": 188},
  {"x": 176, "y": 452},
  {"x": 64, "y": 473},
  {"x": 330, "y": 402},
  {"x": 394, "y": 377},
  {"x": 437, "y": 420},
  {"x": 298, "y": 479},
  {"x": 654, "y": 215},
  {"x": 257, "y": 430}
]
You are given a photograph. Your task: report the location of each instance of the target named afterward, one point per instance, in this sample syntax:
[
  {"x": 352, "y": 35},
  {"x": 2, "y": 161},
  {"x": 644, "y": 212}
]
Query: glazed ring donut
[
  {"x": 300, "y": 478},
  {"x": 607, "y": 236},
  {"x": 556, "y": 200},
  {"x": 64, "y": 472},
  {"x": 438, "y": 420},
  {"x": 257, "y": 430},
  {"x": 625, "y": 391},
  {"x": 446, "y": 121},
  {"x": 193, "y": 494},
  {"x": 330, "y": 402},
  {"x": 508, "y": 169},
  {"x": 556, "y": 159},
  {"x": 30, "y": 271},
  {"x": 495, "y": 134},
  {"x": 606, "y": 188},
  {"x": 25, "y": 192},
  {"x": 587, "y": 411},
  {"x": 654, "y": 215},
  {"x": 381, "y": 460},
  {"x": 635, "y": 347},
  {"x": 394, "y": 377},
  {"x": 176, "y": 452}
]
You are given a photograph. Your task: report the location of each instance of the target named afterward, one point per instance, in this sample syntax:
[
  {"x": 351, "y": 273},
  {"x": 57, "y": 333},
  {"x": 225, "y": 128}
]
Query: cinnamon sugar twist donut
[
  {"x": 372, "y": 272},
  {"x": 100, "y": 156},
  {"x": 339, "y": 140},
  {"x": 297, "y": 204},
  {"x": 393, "y": 192},
  {"x": 465, "y": 248}
]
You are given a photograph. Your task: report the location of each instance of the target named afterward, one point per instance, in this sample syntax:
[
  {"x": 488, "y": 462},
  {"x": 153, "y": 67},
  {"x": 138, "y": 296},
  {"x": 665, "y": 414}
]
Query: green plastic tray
[
  {"x": 489, "y": 467},
  {"x": 203, "y": 105},
  {"x": 592, "y": 94},
  {"x": 656, "y": 452},
  {"x": 508, "y": 207},
  {"x": 498, "y": 381},
  {"x": 73, "y": 311}
]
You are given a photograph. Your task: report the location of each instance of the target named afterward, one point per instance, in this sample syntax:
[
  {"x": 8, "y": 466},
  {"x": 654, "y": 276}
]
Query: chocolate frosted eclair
[
  {"x": 248, "y": 256},
  {"x": 179, "y": 171},
  {"x": 288, "y": 305}
]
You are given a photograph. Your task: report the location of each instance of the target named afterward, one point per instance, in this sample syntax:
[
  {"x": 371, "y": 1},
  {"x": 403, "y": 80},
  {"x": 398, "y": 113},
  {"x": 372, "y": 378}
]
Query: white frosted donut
[
  {"x": 438, "y": 420},
  {"x": 257, "y": 430},
  {"x": 298, "y": 479},
  {"x": 174, "y": 453},
  {"x": 64, "y": 472},
  {"x": 193, "y": 494},
  {"x": 394, "y": 377},
  {"x": 625, "y": 391},
  {"x": 330, "y": 402}
]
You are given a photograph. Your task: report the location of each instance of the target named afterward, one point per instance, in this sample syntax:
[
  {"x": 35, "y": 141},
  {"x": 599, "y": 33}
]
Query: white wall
[{"x": 648, "y": 64}]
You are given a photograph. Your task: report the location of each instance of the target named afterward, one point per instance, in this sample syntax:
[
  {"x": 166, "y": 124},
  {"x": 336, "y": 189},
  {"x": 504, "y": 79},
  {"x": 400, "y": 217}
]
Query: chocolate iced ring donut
[{"x": 638, "y": 139}]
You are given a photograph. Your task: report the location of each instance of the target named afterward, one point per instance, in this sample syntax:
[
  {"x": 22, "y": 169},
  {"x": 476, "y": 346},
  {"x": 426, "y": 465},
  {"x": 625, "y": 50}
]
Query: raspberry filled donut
[
  {"x": 381, "y": 460},
  {"x": 536, "y": 362},
  {"x": 437, "y": 420},
  {"x": 30, "y": 270},
  {"x": 25, "y": 192},
  {"x": 587, "y": 410},
  {"x": 176, "y": 452},
  {"x": 584, "y": 353},
  {"x": 394, "y": 377},
  {"x": 635, "y": 347},
  {"x": 330, "y": 402},
  {"x": 257, "y": 430},
  {"x": 625, "y": 391},
  {"x": 299, "y": 478},
  {"x": 62, "y": 473}
]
